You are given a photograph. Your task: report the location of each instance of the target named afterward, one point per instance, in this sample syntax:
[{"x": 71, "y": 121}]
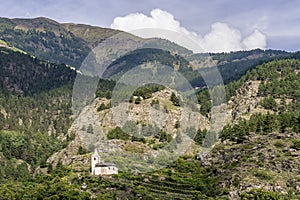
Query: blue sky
[{"x": 278, "y": 20}]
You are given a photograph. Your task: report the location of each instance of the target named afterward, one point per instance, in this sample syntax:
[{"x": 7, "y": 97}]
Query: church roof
[{"x": 105, "y": 165}]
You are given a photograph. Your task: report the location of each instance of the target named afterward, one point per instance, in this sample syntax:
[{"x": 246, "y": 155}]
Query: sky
[{"x": 215, "y": 25}]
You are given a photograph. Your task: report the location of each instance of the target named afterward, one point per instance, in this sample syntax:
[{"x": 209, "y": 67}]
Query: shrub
[
  {"x": 296, "y": 144},
  {"x": 90, "y": 129},
  {"x": 103, "y": 107},
  {"x": 279, "y": 144},
  {"x": 117, "y": 133},
  {"x": 138, "y": 100},
  {"x": 262, "y": 175},
  {"x": 269, "y": 103},
  {"x": 81, "y": 150},
  {"x": 261, "y": 194},
  {"x": 174, "y": 99}
]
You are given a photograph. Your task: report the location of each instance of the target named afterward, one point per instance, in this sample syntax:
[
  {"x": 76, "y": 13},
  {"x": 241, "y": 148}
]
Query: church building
[{"x": 101, "y": 168}]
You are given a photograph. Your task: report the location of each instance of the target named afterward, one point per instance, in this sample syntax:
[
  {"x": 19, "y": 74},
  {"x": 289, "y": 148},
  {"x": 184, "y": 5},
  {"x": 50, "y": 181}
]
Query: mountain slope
[
  {"x": 45, "y": 39},
  {"x": 257, "y": 155},
  {"x": 61, "y": 43},
  {"x": 24, "y": 75},
  {"x": 35, "y": 112},
  {"x": 93, "y": 35},
  {"x": 231, "y": 66}
]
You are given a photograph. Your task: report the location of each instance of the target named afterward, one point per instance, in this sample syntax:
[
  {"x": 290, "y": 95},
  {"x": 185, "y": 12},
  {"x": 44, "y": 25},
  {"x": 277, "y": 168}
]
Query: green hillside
[
  {"x": 279, "y": 95},
  {"x": 35, "y": 109},
  {"x": 45, "y": 39},
  {"x": 91, "y": 34},
  {"x": 230, "y": 65},
  {"x": 35, "y": 112},
  {"x": 25, "y": 75}
]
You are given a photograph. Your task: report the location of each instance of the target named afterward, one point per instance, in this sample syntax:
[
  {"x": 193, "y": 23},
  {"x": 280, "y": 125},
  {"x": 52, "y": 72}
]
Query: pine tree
[{"x": 174, "y": 99}]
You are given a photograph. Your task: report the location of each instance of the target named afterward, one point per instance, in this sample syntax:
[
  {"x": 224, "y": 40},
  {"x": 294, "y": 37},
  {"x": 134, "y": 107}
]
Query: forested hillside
[
  {"x": 35, "y": 110},
  {"x": 256, "y": 158},
  {"x": 279, "y": 94},
  {"x": 230, "y": 65},
  {"x": 44, "y": 38},
  {"x": 22, "y": 74}
]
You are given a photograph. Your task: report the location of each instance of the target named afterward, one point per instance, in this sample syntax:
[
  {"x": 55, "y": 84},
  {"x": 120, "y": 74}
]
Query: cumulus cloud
[
  {"x": 221, "y": 38},
  {"x": 256, "y": 40}
]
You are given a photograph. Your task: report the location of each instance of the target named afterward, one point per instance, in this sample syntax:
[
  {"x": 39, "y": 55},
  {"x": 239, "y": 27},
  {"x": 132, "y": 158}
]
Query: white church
[{"x": 101, "y": 168}]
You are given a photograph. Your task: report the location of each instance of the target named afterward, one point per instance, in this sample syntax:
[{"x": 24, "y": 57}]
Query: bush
[
  {"x": 90, "y": 129},
  {"x": 81, "y": 150},
  {"x": 262, "y": 175},
  {"x": 296, "y": 144},
  {"x": 117, "y": 133},
  {"x": 155, "y": 103},
  {"x": 138, "y": 100},
  {"x": 279, "y": 144},
  {"x": 174, "y": 99},
  {"x": 269, "y": 103},
  {"x": 164, "y": 137},
  {"x": 261, "y": 195},
  {"x": 147, "y": 90},
  {"x": 103, "y": 107}
]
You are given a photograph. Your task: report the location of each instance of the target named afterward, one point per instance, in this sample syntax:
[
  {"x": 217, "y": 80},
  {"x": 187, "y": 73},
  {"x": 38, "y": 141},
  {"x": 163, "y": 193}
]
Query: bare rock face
[
  {"x": 164, "y": 115},
  {"x": 244, "y": 103},
  {"x": 3, "y": 112}
]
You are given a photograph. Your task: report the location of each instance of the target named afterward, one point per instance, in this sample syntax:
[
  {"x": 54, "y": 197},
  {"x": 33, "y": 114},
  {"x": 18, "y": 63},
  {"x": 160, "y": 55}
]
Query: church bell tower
[{"x": 94, "y": 160}]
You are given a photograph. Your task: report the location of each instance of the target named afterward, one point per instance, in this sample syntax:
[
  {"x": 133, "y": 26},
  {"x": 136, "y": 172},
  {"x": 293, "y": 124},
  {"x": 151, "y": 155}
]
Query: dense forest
[
  {"x": 22, "y": 74},
  {"x": 35, "y": 109}
]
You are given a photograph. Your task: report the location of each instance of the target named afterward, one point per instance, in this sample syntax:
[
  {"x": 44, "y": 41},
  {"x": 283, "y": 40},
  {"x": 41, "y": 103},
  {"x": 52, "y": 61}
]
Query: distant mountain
[
  {"x": 61, "y": 43},
  {"x": 92, "y": 35},
  {"x": 45, "y": 39},
  {"x": 230, "y": 65},
  {"x": 71, "y": 43}
]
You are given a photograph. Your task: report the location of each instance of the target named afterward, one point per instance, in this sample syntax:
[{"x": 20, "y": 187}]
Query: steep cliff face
[{"x": 244, "y": 103}]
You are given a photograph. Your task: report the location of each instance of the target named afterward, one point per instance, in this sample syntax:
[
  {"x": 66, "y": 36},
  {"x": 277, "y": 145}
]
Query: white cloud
[
  {"x": 159, "y": 19},
  {"x": 256, "y": 40},
  {"x": 221, "y": 38}
]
